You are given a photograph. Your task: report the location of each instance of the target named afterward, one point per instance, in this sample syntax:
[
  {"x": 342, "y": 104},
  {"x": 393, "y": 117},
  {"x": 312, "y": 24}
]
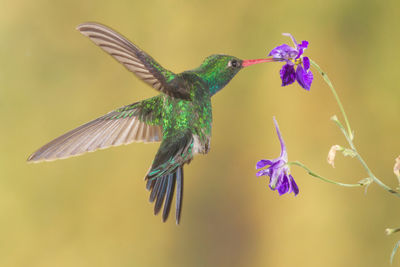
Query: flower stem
[
  {"x": 376, "y": 180},
  {"x": 297, "y": 163},
  {"x": 348, "y": 135},
  {"x": 326, "y": 78}
]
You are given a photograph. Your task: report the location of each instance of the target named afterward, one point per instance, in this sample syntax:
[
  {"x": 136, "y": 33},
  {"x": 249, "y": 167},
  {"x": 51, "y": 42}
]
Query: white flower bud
[
  {"x": 396, "y": 168},
  {"x": 332, "y": 154}
]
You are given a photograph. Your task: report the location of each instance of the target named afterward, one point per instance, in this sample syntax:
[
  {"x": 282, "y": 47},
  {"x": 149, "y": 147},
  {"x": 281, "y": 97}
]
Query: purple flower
[
  {"x": 278, "y": 170},
  {"x": 293, "y": 58}
]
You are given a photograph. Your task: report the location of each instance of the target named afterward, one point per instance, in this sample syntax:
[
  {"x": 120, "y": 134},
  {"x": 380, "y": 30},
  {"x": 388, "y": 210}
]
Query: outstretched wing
[
  {"x": 138, "y": 122},
  {"x": 135, "y": 60}
]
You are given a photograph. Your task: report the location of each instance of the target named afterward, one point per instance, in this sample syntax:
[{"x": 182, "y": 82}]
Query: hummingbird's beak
[{"x": 250, "y": 62}]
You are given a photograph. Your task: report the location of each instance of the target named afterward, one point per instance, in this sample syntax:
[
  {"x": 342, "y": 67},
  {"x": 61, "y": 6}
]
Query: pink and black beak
[{"x": 249, "y": 62}]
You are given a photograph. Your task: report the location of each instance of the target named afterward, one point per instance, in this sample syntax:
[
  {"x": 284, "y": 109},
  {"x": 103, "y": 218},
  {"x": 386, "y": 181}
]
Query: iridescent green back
[{"x": 194, "y": 115}]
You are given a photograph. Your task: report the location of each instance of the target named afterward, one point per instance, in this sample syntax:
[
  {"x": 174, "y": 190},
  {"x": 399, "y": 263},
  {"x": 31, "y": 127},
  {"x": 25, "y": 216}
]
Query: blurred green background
[{"x": 93, "y": 210}]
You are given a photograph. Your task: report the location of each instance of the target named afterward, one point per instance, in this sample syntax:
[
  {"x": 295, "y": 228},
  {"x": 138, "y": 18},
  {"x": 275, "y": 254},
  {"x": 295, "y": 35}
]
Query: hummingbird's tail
[
  {"x": 167, "y": 171},
  {"x": 164, "y": 187}
]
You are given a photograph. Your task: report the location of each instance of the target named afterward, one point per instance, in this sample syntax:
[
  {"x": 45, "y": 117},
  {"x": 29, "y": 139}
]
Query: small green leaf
[
  {"x": 334, "y": 118},
  {"x": 349, "y": 152},
  {"x": 366, "y": 181},
  {"x": 394, "y": 251}
]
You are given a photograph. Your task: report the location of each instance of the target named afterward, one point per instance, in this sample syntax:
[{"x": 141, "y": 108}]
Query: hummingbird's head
[{"x": 218, "y": 70}]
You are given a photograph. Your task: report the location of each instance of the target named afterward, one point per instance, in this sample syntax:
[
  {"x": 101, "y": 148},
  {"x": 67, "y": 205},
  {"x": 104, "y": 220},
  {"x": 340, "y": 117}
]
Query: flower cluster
[
  {"x": 297, "y": 67},
  {"x": 278, "y": 170}
]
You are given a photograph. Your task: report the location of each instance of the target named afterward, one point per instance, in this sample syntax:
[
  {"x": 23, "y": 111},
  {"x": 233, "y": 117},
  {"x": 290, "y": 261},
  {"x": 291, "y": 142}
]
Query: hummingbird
[{"x": 180, "y": 116}]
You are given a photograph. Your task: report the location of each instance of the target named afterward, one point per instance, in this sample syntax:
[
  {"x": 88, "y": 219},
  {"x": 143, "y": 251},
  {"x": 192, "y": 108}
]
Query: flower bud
[
  {"x": 332, "y": 154},
  {"x": 396, "y": 168},
  {"x": 390, "y": 231}
]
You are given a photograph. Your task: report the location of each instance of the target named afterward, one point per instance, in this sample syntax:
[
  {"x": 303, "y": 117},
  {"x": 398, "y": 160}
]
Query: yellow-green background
[{"x": 93, "y": 210}]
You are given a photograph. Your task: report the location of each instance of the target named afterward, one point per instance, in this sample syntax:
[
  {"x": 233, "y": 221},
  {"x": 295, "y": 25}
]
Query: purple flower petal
[
  {"x": 283, "y": 147},
  {"x": 284, "y": 185},
  {"x": 299, "y": 54},
  {"x": 265, "y": 172},
  {"x": 304, "y": 78},
  {"x": 306, "y": 63},
  {"x": 288, "y": 74},
  {"x": 295, "y": 188},
  {"x": 278, "y": 170},
  {"x": 292, "y": 71},
  {"x": 283, "y": 52},
  {"x": 301, "y": 47},
  {"x": 262, "y": 163},
  {"x": 275, "y": 179}
]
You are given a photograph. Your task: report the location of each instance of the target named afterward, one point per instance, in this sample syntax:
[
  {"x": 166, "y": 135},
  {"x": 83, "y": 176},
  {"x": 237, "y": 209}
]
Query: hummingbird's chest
[{"x": 193, "y": 115}]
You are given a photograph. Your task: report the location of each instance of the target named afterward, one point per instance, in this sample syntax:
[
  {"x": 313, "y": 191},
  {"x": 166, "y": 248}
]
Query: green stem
[
  {"x": 376, "y": 180},
  {"x": 297, "y": 163},
  {"x": 349, "y": 134},
  {"x": 326, "y": 78}
]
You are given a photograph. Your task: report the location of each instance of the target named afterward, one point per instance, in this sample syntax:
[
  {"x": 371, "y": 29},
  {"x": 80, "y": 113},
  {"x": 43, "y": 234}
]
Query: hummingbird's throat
[{"x": 250, "y": 62}]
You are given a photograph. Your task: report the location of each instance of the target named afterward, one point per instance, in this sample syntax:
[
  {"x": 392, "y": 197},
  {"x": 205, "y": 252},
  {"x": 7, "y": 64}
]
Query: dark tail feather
[
  {"x": 179, "y": 194},
  {"x": 162, "y": 192},
  {"x": 155, "y": 184},
  {"x": 169, "y": 196}
]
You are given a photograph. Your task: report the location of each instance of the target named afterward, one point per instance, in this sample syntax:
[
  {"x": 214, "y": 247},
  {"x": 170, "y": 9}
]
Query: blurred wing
[
  {"x": 138, "y": 122},
  {"x": 134, "y": 59}
]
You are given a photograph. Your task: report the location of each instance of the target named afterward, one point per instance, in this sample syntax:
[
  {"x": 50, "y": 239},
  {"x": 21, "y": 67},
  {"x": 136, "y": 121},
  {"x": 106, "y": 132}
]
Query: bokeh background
[{"x": 93, "y": 210}]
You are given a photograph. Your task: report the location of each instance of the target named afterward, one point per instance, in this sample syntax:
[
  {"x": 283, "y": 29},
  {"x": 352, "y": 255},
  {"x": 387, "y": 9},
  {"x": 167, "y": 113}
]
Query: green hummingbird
[{"x": 180, "y": 116}]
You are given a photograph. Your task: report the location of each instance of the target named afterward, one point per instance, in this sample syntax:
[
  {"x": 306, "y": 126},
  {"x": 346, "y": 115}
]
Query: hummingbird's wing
[
  {"x": 166, "y": 170},
  {"x": 138, "y": 122},
  {"x": 135, "y": 60}
]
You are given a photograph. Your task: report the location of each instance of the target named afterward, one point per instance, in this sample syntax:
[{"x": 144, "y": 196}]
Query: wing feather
[
  {"x": 138, "y": 122},
  {"x": 135, "y": 59}
]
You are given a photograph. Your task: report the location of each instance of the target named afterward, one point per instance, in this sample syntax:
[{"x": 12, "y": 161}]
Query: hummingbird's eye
[{"x": 234, "y": 63}]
